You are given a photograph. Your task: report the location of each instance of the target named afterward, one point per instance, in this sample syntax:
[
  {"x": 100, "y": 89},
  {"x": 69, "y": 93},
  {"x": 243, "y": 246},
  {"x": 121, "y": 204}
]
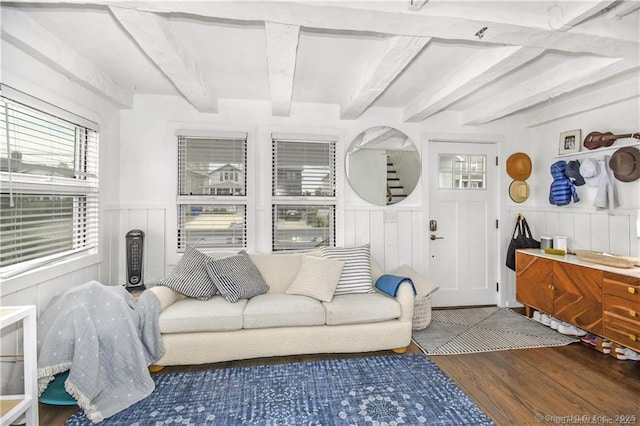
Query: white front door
[{"x": 461, "y": 228}]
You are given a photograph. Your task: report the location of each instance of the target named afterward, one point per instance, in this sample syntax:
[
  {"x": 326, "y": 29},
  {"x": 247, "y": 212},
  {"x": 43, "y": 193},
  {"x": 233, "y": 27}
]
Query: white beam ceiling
[
  {"x": 282, "y": 48},
  {"x": 476, "y": 72},
  {"x": 21, "y": 30},
  {"x": 545, "y": 86},
  {"x": 155, "y": 36},
  {"x": 399, "y": 52},
  {"x": 563, "y": 19},
  {"x": 408, "y": 24},
  {"x": 504, "y": 47},
  {"x": 623, "y": 8},
  {"x": 591, "y": 100}
]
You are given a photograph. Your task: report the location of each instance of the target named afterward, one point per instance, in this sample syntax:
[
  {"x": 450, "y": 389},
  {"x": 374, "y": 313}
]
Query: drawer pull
[
  {"x": 631, "y": 290},
  {"x": 632, "y": 337},
  {"x": 633, "y": 313}
]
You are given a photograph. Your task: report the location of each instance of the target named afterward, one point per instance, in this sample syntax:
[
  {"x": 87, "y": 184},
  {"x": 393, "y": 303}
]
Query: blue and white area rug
[{"x": 391, "y": 390}]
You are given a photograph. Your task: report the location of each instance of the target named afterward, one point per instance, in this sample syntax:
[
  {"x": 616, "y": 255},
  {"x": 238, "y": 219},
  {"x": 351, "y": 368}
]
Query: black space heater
[{"x": 135, "y": 243}]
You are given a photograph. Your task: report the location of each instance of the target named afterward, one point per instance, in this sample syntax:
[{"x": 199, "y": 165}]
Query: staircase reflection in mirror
[{"x": 383, "y": 165}]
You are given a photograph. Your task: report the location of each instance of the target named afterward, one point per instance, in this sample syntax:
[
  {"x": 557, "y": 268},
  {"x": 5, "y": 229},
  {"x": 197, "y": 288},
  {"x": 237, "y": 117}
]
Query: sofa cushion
[
  {"x": 361, "y": 308},
  {"x": 190, "y": 277},
  {"x": 282, "y": 310},
  {"x": 236, "y": 277},
  {"x": 317, "y": 278},
  {"x": 191, "y": 315},
  {"x": 356, "y": 273}
]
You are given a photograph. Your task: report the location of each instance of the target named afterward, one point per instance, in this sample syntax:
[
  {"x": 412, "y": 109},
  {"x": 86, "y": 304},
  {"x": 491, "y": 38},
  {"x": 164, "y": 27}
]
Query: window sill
[{"x": 48, "y": 272}]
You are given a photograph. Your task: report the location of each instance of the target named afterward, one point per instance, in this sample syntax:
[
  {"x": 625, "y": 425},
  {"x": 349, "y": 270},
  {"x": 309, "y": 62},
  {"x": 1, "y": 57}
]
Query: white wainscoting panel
[
  {"x": 396, "y": 236},
  {"x": 152, "y": 221}
]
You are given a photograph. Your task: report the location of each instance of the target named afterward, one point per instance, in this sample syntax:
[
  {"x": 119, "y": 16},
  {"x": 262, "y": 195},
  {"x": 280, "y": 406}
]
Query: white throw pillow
[
  {"x": 424, "y": 287},
  {"x": 356, "y": 273},
  {"x": 317, "y": 278}
]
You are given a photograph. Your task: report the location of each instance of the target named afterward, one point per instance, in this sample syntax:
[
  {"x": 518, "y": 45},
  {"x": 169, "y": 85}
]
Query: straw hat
[
  {"x": 625, "y": 164},
  {"x": 519, "y": 166},
  {"x": 519, "y": 191}
]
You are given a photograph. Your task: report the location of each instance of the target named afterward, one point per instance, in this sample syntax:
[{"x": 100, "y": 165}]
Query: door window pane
[{"x": 462, "y": 171}]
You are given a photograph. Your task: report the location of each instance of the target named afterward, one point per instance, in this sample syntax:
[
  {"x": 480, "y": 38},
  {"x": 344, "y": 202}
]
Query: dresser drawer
[
  {"x": 621, "y": 307},
  {"x": 622, "y": 330},
  {"x": 621, "y": 286}
]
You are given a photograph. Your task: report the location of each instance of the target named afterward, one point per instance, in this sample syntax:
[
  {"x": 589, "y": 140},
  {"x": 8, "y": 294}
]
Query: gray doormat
[{"x": 473, "y": 330}]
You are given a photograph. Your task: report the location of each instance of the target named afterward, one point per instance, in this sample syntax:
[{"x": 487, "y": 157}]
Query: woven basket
[{"x": 421, "y": 312}]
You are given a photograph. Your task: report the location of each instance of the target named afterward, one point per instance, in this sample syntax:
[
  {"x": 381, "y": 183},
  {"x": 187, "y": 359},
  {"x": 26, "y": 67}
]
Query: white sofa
[{"x": 276, "y": 324}]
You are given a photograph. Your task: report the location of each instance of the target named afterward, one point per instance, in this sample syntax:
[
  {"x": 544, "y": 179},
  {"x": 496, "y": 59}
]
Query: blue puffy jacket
[{"x": 562, "y": 190}]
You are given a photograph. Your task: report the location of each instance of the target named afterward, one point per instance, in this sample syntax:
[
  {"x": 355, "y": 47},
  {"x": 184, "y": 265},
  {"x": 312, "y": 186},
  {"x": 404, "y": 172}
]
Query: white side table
[{"x": 13, "y": 406}]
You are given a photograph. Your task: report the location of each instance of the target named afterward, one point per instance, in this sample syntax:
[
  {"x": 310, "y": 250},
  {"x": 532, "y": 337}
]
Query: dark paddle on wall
[{"x": 598, "y": 139}]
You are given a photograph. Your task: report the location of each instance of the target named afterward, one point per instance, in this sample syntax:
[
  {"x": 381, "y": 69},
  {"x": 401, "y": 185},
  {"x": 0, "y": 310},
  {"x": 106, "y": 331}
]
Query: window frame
[
  {"x": 304, "y": 200},
  {"x": 85, "y": 185},
  {"x": 212, "y": 200}
]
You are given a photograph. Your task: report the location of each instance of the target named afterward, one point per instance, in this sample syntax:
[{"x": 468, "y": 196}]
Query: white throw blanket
[{"x": 106, "y": 338}]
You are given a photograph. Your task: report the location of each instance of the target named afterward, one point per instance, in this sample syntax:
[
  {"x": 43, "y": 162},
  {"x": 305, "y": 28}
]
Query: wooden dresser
[{"x": 597, "y": 298}]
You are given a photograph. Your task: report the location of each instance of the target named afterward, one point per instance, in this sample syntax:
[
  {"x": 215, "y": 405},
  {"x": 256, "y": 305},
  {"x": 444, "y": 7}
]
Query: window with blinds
[
  {"x": 212, "y": 189},
  {"x": 303, "y": 193},
  {"x": 48, "y": 186}
]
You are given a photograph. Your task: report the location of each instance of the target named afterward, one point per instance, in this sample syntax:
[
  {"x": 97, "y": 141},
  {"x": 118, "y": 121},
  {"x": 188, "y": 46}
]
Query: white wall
[
  {"x": 148, "y": 178},
  {"x": 588, "y": 228},
  {"x": 23, "y": 73},
  {"x": 148, "y": 168}
]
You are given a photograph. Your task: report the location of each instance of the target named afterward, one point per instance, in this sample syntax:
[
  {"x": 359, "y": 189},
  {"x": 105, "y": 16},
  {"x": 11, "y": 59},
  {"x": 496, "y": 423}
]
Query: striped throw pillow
[
  {"x": 237, "y": 277},
  {"x": 356, "y": 272},
  {"x": 190, "y": 277}
]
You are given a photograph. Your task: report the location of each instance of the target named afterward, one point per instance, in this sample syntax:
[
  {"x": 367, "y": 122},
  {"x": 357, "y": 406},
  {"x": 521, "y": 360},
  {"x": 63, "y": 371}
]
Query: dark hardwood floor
[{"x": 560, "y": 385}]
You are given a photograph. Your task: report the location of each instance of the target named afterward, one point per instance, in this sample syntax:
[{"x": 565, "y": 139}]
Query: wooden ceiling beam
[
  {"x": 571, "y": 14},
  {"x": 282, "y": 49},
  {"x": 330, "y": 17},
  {"x": 593, "y": 99},
  {"x": 156, "y": 37},
  {"x": 479, "y": 70},
  {"x": 623, "y": 8},
  {"x": 399, "y": 53},
  {"x": 548, "y": 85},
  {"x": 19, "y": 29}
]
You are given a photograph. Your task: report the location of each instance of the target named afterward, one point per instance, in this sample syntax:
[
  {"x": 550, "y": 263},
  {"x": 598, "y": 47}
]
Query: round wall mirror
[{"x": 383, "y": 165}]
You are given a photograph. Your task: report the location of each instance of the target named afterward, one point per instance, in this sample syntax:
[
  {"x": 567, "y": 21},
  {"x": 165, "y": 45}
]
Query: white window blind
[
  {"x": 212, "y": 189},
  {"x": 303, "y": 193},
  {"x": 49, "y": 187}
]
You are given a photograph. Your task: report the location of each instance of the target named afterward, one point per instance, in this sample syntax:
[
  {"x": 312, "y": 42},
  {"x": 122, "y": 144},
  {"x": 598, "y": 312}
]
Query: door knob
[{"x": 433, "y": 237}]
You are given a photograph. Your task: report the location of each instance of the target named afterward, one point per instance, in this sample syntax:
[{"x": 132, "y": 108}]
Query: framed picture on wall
[{"x": 570, "y": 142}]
